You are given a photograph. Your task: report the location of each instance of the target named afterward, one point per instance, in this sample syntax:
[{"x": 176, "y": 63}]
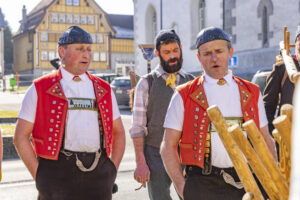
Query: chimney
[{"x": 24, "y": 17}]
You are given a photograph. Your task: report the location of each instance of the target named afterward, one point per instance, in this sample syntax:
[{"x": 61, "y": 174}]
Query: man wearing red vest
[
  {"x": 75, "y": 125},
  {"x": 208, "y": 165}
]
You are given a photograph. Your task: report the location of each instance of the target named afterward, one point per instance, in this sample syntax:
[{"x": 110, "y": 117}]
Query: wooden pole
[
  {"x": 255, "y": 162},
  {"x": 287, "y": 109},
  {"x": 234, "y": 152},
  {"x": 265, "y": 155},
  {"x": 282, "y": 148},
  {"x": 284, "y": 127}
]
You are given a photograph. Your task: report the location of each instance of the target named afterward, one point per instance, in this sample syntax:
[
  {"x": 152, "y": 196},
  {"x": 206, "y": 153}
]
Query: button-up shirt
[
  {"x": 139, "y": 119},
  {"x": 82, "y": 127},
  {"x": 227, "y": 98}
]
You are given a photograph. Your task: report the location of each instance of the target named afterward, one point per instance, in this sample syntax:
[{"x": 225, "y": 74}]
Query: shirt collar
[
  {"x": 228, "y": 77},
  {"x": 160, "y": 71},
  {"x": 69, "y": 76}
]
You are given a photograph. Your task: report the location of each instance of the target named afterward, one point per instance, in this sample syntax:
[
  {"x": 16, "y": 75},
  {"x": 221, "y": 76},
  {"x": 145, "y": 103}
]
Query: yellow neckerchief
[{"x": 171, "y": 79}]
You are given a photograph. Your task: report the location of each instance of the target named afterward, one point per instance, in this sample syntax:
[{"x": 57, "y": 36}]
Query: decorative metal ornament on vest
[
  {"x": 76, "y": 78},
  {"x": 221, "y": 81},
  {"x": 171, "y": 79}
]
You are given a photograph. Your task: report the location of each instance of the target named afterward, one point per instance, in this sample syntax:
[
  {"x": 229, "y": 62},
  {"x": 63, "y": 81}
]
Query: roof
[
  {"x": 122, "y": 24},
  {"x": 2, "y": 22},
  {"x": 35, "y": 17}
]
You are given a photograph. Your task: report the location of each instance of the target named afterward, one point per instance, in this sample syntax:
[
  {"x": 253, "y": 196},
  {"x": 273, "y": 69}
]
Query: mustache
[{"x": 173, "y": 60}]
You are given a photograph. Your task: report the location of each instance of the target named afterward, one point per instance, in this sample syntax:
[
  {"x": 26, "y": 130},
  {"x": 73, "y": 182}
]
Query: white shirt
[
  {"x": 227, "y": 98},
  {"x": 82, "y": 127}
]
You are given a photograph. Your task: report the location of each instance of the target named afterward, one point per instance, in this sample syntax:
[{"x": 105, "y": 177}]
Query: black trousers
[
  {"x": 62, "y": 180},
  {"x": 213, "y": 186}
]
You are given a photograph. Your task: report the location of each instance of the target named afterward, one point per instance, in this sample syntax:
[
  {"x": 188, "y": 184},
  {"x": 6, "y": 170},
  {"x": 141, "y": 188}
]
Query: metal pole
[{"x": 149, "y": 66}]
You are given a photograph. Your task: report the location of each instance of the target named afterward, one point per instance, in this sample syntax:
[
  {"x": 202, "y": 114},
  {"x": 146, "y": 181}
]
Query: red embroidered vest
[
  {"x": 51, "y": 112},
  {"x": 196, "y": 121}
]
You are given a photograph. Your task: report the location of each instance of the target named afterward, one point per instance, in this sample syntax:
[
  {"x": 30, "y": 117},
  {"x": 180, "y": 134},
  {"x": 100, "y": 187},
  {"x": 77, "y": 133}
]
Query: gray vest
[{"x": 158, "y": 103}]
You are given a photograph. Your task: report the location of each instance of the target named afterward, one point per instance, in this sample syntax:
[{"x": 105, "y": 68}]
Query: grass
[
  {"x": 4, "y": 114},
  {"x": 7, "y": 129}
]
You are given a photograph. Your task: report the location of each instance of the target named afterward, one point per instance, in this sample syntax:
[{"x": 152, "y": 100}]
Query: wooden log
[
  {"x": 248, "y": 196},
  {"x": 284, "y": 127},
  {"x": 234, "y": 152},
  {"x": 255, "y": 163},
  {"x": 287, "y": 109},
  {"x": 265, "y": 155},
  {"x": 282, "y": 160}
]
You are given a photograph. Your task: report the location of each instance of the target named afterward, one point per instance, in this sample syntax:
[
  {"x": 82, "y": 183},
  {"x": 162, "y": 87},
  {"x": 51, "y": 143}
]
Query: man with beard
[
  {"x": 151, "y": 101},
  {"x": 279, "y": 89}
]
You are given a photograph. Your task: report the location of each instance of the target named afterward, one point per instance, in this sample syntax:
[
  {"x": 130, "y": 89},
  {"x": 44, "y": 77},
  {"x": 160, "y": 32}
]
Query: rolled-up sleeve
[{"x": 139, "y": 118}]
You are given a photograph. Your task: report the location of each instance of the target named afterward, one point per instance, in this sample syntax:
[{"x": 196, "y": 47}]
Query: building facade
[
  {"x": 255, "y": 27},
  {"x": 35, "y": 43}
]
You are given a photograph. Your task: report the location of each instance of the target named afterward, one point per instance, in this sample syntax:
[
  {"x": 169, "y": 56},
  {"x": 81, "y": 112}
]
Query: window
[
  {"x": 69, "y": 19},
  {"x": 102, "y": 56},
  {"x": 69, "y": 2},
  {"x": 93, "y": 38},
  {"x": 96, "y": 56},
  {"x": 62, "y": 18},
  {"x": 51, "y": 55},
  {"x": 72, "y": 2},
  {"x": 76, "y": 19},
  {"x": 265, "y": 31},
  {"x": 44, "y": 36},
  {"x": 44, "y": 55},
  {"x": 90, "y": 19},
  {"x": 201, "y": 13},
  {"x": 99, "y": 38},
  {"x": 29, "y": 56},
  {"x": 264, "y": 11},
  {"x": 83, "y": 19},
  {"x": 76, "y": 2},
  {"x": 54, "y": 17}
]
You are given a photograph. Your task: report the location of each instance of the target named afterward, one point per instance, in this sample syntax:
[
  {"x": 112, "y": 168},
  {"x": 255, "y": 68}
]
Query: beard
[{"x": 171, "y": 68}]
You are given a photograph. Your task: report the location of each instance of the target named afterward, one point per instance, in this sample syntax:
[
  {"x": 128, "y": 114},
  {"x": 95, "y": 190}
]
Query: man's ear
[
  {"x": 61, "y": 52},
  {"x": 198, "y": 56},
  {"x": 156, "y": 53}
]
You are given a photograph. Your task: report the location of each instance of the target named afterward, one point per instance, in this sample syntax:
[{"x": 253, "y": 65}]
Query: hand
[
  {"x": 180, "y": 189},
  {"x": 142, "y": 173}
]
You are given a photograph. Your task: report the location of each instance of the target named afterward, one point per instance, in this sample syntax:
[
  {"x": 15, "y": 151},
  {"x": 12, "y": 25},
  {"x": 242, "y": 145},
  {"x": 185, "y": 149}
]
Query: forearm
[
  {"x": 269, "y": 141},
  {"x": 172, "y": 165},
  {"x": 26, "y": 153},
  {"x": 118, "y": 148},
  {"x": 138, "y": 143}
]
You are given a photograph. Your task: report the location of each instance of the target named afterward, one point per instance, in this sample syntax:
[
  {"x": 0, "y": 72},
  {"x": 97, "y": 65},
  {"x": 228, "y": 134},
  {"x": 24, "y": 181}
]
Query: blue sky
[{"x": 12, "y": 9}]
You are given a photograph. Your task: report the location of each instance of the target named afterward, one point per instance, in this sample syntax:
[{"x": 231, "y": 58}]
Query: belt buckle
[{"x": 206, "y": 170}]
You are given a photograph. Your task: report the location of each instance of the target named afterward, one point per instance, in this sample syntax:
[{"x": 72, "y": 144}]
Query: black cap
[
  {"x": 297, "y": 33},
  {"x": 75, "y": 34},
  {"x": 210, "y": 34},
  {"x": 166, "y": 36}
]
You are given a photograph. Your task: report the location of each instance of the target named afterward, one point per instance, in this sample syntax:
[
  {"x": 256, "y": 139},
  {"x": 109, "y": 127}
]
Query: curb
[{"x": 9, "y": 150}]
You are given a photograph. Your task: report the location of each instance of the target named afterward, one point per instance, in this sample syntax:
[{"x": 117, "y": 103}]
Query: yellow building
[{"x": 35, "y": 43}]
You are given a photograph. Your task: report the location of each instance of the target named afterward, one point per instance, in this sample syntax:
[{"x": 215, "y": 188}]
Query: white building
[{"x": 255, "y": 27}]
